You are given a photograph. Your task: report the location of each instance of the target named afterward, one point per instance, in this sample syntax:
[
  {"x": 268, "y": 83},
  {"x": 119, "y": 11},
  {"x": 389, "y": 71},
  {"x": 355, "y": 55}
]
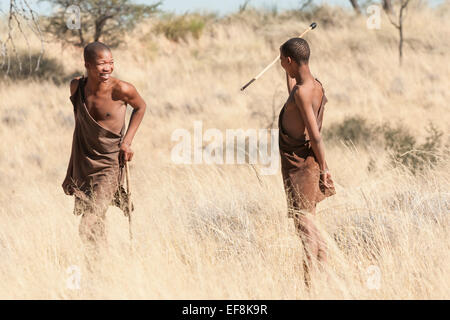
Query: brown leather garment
[
  {"x": 94, "y": 175},
  {"x": 300, "y": 169}
]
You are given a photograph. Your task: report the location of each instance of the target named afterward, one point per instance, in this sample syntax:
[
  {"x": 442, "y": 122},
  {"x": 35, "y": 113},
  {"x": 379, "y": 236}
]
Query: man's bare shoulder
[
  {"x": 125, "y": 90},
  {"x": 74, "y": 85},
  {"x": 303, "y": 93},
  {"x": 123, "y": 86}
]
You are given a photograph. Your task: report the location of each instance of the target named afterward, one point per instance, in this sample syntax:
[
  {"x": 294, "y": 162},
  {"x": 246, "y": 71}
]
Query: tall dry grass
[{"x": 211, "y": 231}]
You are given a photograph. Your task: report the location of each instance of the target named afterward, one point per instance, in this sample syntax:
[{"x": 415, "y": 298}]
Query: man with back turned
[{"x": 305, "y": 172}]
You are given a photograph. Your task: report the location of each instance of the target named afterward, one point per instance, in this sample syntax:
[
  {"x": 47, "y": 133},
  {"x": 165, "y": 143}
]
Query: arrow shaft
[{"x": 273, "y": 62}]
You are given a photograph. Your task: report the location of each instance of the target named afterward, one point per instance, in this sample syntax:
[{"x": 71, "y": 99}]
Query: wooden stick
[
  {"x": 312, "y": 26},
  {"x": 127, "y": 172}
]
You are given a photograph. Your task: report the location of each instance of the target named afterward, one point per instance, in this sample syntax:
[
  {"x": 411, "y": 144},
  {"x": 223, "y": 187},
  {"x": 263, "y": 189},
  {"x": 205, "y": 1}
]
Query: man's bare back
[{"x": 292, "y": 121}]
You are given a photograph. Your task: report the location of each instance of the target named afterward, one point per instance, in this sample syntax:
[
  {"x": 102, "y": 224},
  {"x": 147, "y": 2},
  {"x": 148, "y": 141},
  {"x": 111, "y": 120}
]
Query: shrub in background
[
  {"x": 177, "y": 28},
  {"x": 402, "y": 146}
]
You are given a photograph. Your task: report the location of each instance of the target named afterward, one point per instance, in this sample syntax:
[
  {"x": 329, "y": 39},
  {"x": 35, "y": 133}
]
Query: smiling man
[{"x": 100, "y": 147}]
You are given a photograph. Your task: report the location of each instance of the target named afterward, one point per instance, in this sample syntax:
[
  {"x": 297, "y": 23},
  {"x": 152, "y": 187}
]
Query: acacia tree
[
  {"x": 99, "y": 19},
  {"x": 399, "y": 25},
  {"x": 305, "y": 3},
  {"x": 243, "y": 6},
  {"x": 21, "y": 19},
  {"x": 355, "y": 6}
]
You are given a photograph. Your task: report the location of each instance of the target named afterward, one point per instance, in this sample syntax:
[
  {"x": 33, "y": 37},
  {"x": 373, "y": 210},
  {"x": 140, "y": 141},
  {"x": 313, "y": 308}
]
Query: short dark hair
[
  {"x": 297, "y": 49},
  {"x": 90, "y": 51}
]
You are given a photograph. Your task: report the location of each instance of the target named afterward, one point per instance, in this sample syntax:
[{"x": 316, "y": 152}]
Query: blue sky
[
  {"x": 219, "y": 6},
  {"x": 181, "y": 6}
]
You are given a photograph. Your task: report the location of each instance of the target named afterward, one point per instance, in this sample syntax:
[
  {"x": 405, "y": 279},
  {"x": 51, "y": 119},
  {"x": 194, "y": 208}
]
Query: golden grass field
[{"x": 215, "y": 231}]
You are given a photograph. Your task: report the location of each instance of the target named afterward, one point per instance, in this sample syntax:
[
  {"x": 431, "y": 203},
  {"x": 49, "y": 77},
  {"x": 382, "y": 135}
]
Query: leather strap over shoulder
[{"x": 73, "y": 97}]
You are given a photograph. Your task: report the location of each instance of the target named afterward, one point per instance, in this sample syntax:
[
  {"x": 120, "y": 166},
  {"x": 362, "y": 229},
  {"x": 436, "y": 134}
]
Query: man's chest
[{"x": 104, "y": 107}]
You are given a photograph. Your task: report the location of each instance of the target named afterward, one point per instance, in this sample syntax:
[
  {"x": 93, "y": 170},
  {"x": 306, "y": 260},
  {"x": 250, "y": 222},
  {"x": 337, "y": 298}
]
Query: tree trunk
[
  {"x": 400, "y": 31},
  {"x": 400, "y": 45},
  {"x": 80, "y": 35},
  {"x": 99, "y": 24},
  {"x": 387, "y": 6},
  {"x": 355, "y": 6}
]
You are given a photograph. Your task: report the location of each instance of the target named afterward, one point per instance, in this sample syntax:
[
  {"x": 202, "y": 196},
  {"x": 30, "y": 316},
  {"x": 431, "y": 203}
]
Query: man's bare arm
[
  {"x": 132, "y": 97},
  {"x": 73, "y": 88},
  {"x": 74, "y": 85},
  {"x": 304, "y": 104},
  {"x": 291, "y": 82}
]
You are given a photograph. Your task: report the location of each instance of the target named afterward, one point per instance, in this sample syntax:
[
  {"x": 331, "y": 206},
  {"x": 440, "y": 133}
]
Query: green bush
[
  {"x": 401, "y": 144},
  {"x": 178, "y": 28},
  {"x": 353, "y": 129},
  {"x": 397, "y": 140},
  {"x": 406, "y": 151}
]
